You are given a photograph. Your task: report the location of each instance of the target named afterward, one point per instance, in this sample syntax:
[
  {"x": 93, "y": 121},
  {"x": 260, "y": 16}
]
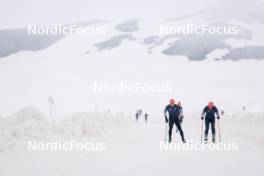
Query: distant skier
[
  {"x": 222, "y": 112},
  {"x": 181, "y": 117},
  {"x": 140, "y": 111},
  {"x": 175, "y": 113},
  {"x": 179, "y": 104},
  {"x": 146, "y": 117},
  {"x": 209, "y": 113},
  {"x": 137, "y": 116}
]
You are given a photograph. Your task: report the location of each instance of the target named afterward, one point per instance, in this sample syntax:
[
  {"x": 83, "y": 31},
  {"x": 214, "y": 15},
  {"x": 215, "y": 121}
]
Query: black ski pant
[
  {"x": 178, "y": 125},
  {"x": 207, "y": 124}
]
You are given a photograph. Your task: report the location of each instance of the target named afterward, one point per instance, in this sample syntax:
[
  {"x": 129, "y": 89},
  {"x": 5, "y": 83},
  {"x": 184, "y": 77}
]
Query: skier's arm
[
  {"x": 165, "y": 114},
  {"x": 203, "y": 113},
  {"x": 217, "y": 113}
]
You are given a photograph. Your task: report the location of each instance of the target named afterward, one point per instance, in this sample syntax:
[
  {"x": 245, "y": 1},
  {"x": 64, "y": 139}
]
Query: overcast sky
[{"x": 19, "y": 13}]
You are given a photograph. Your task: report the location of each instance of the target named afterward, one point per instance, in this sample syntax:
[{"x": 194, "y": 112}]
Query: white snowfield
[{"x": 67, "y": 72}]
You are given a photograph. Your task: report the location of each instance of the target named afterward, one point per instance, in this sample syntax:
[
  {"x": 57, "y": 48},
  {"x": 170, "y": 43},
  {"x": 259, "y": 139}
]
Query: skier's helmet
[
  {"x": 210, "y": 104},
  {"x": 172, "y": 101}
]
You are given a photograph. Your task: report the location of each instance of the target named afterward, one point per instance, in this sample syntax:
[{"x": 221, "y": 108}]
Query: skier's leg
[
  {"x": 213, "y": 129},
  {"x": 170, "y": 129},
  {"x": 178, "y": 125},
  {"x": 206, "y": 129}
]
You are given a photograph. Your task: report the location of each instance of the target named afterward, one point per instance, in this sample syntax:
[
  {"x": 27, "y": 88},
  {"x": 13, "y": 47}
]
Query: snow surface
[{"x": 135, "y": 150}]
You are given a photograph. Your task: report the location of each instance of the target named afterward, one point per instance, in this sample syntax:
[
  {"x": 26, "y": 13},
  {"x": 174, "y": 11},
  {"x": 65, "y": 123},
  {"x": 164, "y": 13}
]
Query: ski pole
[
  {"x": 202, "y": 132},
  {"x": 166, "y": 126},
  {"x": 219, "y": 132}
]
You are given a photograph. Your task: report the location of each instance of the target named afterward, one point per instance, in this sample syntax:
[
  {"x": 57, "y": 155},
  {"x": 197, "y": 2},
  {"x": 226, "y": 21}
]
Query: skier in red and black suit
[
  {"x": 209, "y": 113},
  {"x": 175, "y": 113}
]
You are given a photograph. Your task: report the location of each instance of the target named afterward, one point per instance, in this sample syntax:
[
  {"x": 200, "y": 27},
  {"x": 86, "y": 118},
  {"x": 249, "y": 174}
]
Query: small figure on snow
[
  {"x": 137, "y": 116},
  {"x": 222, "y": 112},
  {"x": 146, "y": 117},
  {"x": 140, "y": 112}
]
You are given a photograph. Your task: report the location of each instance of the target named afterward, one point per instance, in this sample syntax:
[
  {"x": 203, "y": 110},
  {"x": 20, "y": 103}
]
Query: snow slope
[{"x": 66, "y": 72}]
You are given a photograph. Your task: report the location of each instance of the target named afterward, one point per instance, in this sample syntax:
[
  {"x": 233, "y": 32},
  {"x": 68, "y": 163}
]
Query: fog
[{"x": 20, "y": 13}]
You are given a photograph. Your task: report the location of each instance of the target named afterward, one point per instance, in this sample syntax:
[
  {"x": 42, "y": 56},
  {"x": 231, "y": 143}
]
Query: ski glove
[
  {"x": 218, "y": 117},
  {"x": 166, "y": 119},
  {"x": 202, "y": 118}
]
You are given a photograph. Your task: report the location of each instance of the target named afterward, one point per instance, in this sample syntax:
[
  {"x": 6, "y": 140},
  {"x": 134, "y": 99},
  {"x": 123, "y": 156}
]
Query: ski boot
[
  {"x": 213, "y": 139},
  {"x": 205, "y": 139},
  {"x": 169, "y": 139},
  {"x": 183, "y": 139}
]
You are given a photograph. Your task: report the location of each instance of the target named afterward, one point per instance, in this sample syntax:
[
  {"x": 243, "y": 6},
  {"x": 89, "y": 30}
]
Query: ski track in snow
[{"x": 135, "y": 151}]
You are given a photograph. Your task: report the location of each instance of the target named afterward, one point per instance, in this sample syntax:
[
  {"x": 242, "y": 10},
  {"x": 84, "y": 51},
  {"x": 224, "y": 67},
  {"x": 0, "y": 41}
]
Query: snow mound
[
  {"x": 31, "y": 124},
  {"x": 28, "y": 114},
  {"x": 247, "y": 117}
]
